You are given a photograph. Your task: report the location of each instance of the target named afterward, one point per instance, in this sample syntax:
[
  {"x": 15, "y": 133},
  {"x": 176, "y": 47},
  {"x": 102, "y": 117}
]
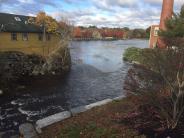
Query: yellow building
[{"x": 16, "y": 34}]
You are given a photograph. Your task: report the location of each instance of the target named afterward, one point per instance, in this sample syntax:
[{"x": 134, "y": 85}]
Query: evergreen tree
[{"x": 174, "y": 33}]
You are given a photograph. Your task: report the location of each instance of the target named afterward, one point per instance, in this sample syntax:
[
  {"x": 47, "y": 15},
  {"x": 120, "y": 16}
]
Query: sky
[{"x": 101, "y": 13}]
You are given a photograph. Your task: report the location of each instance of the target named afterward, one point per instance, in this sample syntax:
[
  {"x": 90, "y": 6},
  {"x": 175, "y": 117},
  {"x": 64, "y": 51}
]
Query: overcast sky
[{"x": 102, "y": 13}]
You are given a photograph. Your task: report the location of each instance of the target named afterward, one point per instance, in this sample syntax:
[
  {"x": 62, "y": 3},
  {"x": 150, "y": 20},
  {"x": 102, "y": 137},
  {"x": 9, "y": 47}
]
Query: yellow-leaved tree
[
  {"x": 46, "y": 22},
  {"x": 58, "y": 60}
]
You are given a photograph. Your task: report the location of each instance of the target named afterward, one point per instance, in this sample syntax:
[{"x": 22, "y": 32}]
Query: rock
[
  {"x": 1, "y": 92},
  {"x": 140, "y": 79},
  {"x": 8, "y": 134},
  {"x": 27, "y": 131},
  {"x": 52, "y": 119},
  {"x": 16, "y": 136},
  {"x": 119, "y": 98},
  {"x": 135, "y": 62},
  {"x": 77, "y": 110},
  {"x": 1, "y": 134},
  {"x": 100, "y": 103},
  {"x": 14, "y": 65}
]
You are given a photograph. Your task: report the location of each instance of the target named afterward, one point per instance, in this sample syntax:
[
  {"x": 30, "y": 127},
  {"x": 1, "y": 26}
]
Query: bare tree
[
  {"x": 168, "y": 97},
  {"x": 169, "y": 63},
  {"x": 65, "y": 28}
]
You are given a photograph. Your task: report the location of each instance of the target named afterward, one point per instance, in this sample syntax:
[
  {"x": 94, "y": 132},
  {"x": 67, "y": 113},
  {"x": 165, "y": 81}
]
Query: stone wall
[
  {"x": 16, "y": 65},
  {"x": 33, "y": 130}
]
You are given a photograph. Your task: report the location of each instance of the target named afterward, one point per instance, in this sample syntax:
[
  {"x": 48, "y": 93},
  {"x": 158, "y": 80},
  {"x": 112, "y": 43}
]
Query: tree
[
  {"x": 126, "y": 29},
  {"x": 168, "y": 98},
  {"x": 148, "y": 32},
  {"x": 174, "y": 33},
  {"x": 77, "y": 32},
  {"x": 59, "y": 59},
  {"x": 93, "y": 27},
  {"x": 139, "y": 33},
  {"x": 65, "y": 28},
  {"x": 169, "y": 64},
  {"x": 48, "y": 24}
]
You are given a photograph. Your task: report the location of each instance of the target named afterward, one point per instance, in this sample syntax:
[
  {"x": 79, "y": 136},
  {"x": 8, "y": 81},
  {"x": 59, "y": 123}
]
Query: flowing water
[{"x": 97, "y": 73}]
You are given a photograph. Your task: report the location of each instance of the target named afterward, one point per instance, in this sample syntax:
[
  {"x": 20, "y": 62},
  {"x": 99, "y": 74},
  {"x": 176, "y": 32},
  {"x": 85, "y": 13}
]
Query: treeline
[
  {"x": 93, "y": 32},
  {"x": 137, "y": 33}
]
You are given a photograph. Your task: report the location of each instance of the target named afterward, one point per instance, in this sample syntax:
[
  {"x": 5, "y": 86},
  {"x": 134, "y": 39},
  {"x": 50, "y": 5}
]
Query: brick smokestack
[{"x": 167, "y": 12}]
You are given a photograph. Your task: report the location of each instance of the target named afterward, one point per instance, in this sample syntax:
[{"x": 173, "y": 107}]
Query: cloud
[
  {"x": 113, "y": 13},
  {"x": 110, "y": 5}
]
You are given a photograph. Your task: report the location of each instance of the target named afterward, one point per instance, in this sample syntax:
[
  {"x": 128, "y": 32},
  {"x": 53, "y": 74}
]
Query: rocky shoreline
[{"x": 17, "y": 66}]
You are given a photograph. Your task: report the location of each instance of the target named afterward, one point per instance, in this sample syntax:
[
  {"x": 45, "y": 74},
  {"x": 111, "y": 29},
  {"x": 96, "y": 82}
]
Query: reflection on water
[
  {"x": 103, "y": 55},
  {"x": 97, "y": 73}
]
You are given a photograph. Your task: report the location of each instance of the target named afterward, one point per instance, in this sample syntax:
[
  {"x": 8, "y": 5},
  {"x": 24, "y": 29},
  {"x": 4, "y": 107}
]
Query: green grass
[
  {"x": 99, "y": 122},
  {"x": 132, "y": 54},
  {"x": 89, "y": 130}
]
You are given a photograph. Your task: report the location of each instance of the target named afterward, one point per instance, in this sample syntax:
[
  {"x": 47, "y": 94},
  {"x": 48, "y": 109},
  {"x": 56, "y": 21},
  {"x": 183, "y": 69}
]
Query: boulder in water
[{"x": 1, "y": 92}]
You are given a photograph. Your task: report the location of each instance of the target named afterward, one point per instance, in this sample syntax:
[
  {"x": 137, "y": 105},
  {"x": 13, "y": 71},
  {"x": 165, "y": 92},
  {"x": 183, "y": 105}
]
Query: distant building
[
  {"x": 154, "y": 36},
  {"x": 17, "y": 34},
  {"x": 167, "y": 12},
  {"x": 96, "y": 34}
]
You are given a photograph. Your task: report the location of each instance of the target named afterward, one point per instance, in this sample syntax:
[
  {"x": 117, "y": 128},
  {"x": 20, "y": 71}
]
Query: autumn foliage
[{"x": 88, "y": 32}]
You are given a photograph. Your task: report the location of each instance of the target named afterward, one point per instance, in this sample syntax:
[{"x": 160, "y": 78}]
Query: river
[{"x": 97, "y": 73}]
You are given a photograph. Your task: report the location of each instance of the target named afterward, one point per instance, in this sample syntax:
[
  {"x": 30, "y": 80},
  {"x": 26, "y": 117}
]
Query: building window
[
  {"x": 48, "y": 37},
  {"x": 40, "y": 37},
  {"x": 14, "y": 36},
  {"x": 25, "y": 36},
  {"x": 156, "y": 30}
]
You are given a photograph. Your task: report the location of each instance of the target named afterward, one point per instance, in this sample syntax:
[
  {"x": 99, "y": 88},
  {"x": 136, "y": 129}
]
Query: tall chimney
[{"x": 167, "y": 12}]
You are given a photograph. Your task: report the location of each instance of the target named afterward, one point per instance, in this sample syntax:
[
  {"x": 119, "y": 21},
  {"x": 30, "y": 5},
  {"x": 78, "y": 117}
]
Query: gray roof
[{"x": 17, "y": 23}]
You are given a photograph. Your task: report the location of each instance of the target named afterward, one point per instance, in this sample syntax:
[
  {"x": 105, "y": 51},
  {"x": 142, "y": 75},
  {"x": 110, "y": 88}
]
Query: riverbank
[
  {"x": 98, "y": 122},
  {"x": 140, "y": 113},
  {"x": 106, "y": 39},
  {"x": 96, "y": 39},
  {"x": 16, "y": 67},
  {"x": 129, "y": 117},
  {"x": 97, "y": 73}
]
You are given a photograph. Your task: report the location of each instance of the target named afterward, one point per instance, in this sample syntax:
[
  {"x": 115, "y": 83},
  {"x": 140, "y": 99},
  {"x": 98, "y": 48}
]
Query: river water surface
[{"x": 97, "y": 73}]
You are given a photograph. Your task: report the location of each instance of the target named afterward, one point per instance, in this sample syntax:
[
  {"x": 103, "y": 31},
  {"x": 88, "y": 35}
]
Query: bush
[
  {"x": 169, "y": 64},
  {"x": 132, "y": 54},
  {"x": 59, "y": 61},
  {"x": 139, "y": 55}
]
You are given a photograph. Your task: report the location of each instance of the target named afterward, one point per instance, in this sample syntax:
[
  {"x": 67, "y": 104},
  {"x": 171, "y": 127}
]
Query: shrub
[
  {"x": 174, "y": 32},
  {"x": 132, "y": 54},
  {"x": 58, "y": 62},
  {"x": 169, "y": 63}
]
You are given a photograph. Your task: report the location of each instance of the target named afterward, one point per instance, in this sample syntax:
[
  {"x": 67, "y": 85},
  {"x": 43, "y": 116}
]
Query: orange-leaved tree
[{"x": 46, "y": 22}]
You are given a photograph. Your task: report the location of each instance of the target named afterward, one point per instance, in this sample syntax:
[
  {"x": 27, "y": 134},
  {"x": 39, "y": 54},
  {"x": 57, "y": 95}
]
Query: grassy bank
[
  {"x": 100, "y": 122},
  {"x": 132, "y": 54},
  {"x": 146, "y": 112}
]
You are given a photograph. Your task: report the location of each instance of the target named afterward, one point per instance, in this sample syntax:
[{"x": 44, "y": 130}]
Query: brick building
[{"x": 167, "y": 12}]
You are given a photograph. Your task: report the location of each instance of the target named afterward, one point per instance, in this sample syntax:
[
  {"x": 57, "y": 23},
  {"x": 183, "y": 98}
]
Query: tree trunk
[
  {"x": 178, "y": 108},
  {"x": 44, "y": 33}
]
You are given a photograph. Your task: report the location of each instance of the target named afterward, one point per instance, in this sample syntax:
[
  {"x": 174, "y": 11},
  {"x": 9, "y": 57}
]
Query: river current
[{"x": 97, "y": 73}]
